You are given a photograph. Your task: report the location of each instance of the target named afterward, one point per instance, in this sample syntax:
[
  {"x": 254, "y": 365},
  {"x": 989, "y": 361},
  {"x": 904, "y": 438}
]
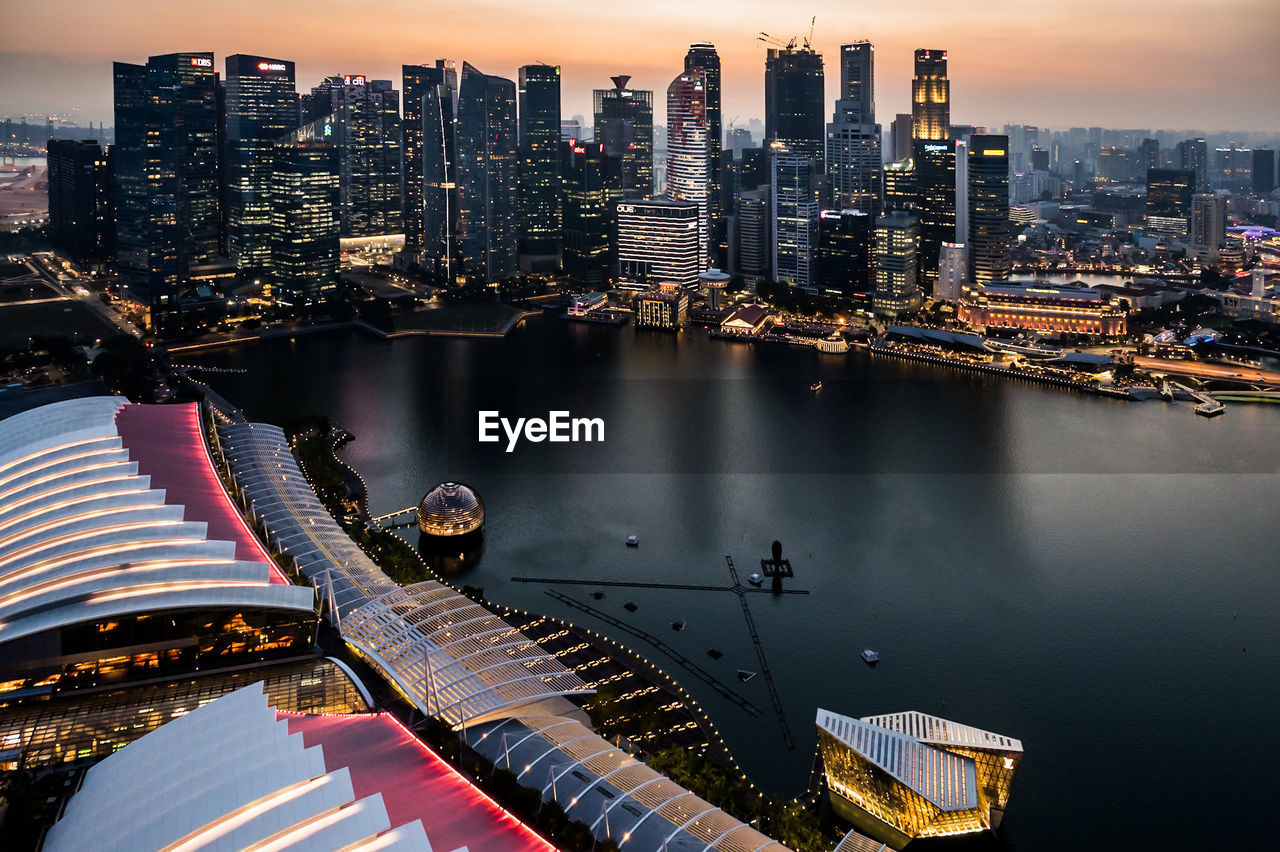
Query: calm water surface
[{"x": 1095, "y": 577}]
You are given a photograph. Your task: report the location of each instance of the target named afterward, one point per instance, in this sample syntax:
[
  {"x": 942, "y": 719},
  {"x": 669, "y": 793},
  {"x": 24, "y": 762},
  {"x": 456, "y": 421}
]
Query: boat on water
[
  {"x": 815, "y": 387},
  {"x": 755, "y": 579},
  {"x": 633, "y": 541},
  {"x": 744, "y": 675},
  {"x": 677, "y": 626},
  {"x": 870, "y": 657}
]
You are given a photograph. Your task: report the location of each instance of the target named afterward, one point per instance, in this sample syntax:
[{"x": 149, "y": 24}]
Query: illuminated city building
[
  {"x": 702, "y": 58},
  {"x": 795, "y": 218},
  {"x": 450, "y": 509},
  {"x": 261, "y": 107},
  {"x": 538, "y": 92},
  {"x": 897, "y": 290},
  {"x": 1208, "y": 225},
  {"x": 80, "y": 217},
  {"x": 953, "y": 272},
  {"x": 664, "y": 306},
  {"x": 752, "y": 228},
  {"x": 853, "y": 138},
  {"x": 903, "y": 776},
  {"x": 123, "y": 559},
  {"x": 688, "y": 152},
  {"x": 305, "y": 228},
  {"x": 988, "y": 207},
  {"x": 1193, "y": 156},
  {"x": 1049, "y": 310},
  {"x": 930, "y": 97},
  {"x": 900, "y": 185},
  {"x": 658, "y": 242},
  {"x": 1169, "y": 194},
  {"x": 624, "y": 125},
  {"x": 420, "y": 81},
  {"x": 487, "y": 174},
  {"x": 440, "y": 244},
  {"x": 933, "y": 154},
  {"x": 591, "y": 184},
  {"x": 901, "y": 133},
  {"x": 793, "y": 99},
  {"x": 843, "y": 255},
  {"x": 165, "y": 173},
  {"x": 1233, "y": 168}
]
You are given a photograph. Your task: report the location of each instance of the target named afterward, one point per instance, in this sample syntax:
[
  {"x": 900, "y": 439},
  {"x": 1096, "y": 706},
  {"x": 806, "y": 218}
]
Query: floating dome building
[{"x": 450, "y": 509}]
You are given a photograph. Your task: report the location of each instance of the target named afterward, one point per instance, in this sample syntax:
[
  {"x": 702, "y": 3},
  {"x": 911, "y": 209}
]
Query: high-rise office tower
[
  {"x": 795, "y": 219},
  {"x": 1193, "y": 155},
  {"x": 843, "y": 255},
  {"x": 934, "y": 155},
  {"x": 853, "y": 137},
  {"x": 261, "y": 107},
  {"x": 439, "y": 208},
  {"x": 304, "y": 223},
  {"x": 1150, "y": 154},
  {"x": 900, "y": 185},
  {"x": 752, "y": 236},
  {"x": 1039, "y": 159},
  {"x": 658, "y": 243},
  {"x": 952, "y": 272},
  {"x": 962, "y": 192},
  {"x": 1208, "y": 223},
  {"x": 1169, "y": 194},
  {"x": 487, "y": 172},
  {"x": 418, "y": 81},
  {"x": 688, "y": 172},
  {"x": 1264, "y": 170},
  {"x": 702, "y": 58},
  {"x": 1233, "y": 168},
  {"x": 896, "y": 289},
  {"x": 363, "y": 126},
  {"x": 624, "y": 125},
  {"x": 793, "y": 99},
  {"x": 901, "y": 133},
  {"x": 592, "y": 184},
  {"x": 538, "y": 91},
  {"x": 988, "y": 205},
  {"x": 166, "y": 173},
  {"x": 80, "y": 220}
]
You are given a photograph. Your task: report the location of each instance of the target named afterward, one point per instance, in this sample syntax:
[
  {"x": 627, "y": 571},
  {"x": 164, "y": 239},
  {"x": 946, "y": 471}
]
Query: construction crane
[
  {"x": 774, "y": 41},
  {"x": 809, "y": 38}
]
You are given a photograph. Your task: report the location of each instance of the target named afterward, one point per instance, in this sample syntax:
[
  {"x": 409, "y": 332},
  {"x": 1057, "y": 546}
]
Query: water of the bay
[{"x": 1095, "y": 577}]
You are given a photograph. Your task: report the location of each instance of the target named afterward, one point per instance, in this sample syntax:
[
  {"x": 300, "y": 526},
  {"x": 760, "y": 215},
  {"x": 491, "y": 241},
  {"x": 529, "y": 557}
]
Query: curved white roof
[
  {"x": 226, "y": 776},
  {"x": 84, "y": 536}
]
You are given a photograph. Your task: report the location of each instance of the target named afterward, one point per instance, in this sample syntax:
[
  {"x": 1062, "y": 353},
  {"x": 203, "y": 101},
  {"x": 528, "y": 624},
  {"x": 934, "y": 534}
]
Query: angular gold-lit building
[{"x": 902, "y": 776}]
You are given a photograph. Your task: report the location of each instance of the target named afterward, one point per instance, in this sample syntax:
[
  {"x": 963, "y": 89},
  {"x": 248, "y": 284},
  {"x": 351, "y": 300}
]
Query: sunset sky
[{"x": 1175, "y": 64}]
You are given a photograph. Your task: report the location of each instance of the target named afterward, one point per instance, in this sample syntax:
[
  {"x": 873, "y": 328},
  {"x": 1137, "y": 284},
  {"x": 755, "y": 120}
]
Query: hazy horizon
[{"x": 1008, "y": 63}]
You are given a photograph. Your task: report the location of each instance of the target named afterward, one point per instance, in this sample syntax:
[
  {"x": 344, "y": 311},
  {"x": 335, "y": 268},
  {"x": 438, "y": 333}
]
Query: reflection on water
[{"x": 452, "y": 556}]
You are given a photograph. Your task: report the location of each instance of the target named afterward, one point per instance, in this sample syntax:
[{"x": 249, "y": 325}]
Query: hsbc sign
[{"x": 271, "y": 66}]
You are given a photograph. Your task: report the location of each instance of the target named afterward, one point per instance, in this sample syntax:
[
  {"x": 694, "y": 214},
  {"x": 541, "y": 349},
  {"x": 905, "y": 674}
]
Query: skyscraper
[
  {"x": 1208, "y": 223},
  {"x": 304, "y": 223},
  {"x": 901, "y": 137},
  {"x": 752, "y": 237},
  {"x": 261, "y": 107},
  {"x": 853, "y": 137},
  {"x": 539, "y": 167},
  {"x": 795, "y": 219},
  {"x": 702, "y": 57},
  {"x": 1150, "y": 154},
  {"x": 952, "y": 272},
  {"x": 439, "y": 210},
  {"x": 166, "y": 173},
  {"x": 688, "y": 169},
  {"x": 418, "y": 81},
  {"x": 1264, "y": 170},
  {"x": 1169, "y": 194},
  {"x": 487, "y": 173},
  {"x": 592, "y": 184},
  {"x": 843, "y": 255},
  {"x": 80, "y": 200},
  {"x": 624, "y": 125},
  {"x": 988, "y": 205},
  {"x": 934, "y": 156},
  {"x": 896, "y": 290},
  {"x": 1193, "y": 155},
  {"x": 658, "y": 243},
  {"x": 793, "y": 99}
]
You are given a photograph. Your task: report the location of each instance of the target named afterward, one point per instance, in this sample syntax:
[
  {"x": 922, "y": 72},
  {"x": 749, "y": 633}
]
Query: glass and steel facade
[
  {"x": 80, "y": 219},
  {"x": 988, "y": 208},
  {"x": 795, "y": 218},
  {"x": 702, "y": 57},
  {"x": 905, "y": 776},
  {"x": 624, "y": 125},
  {"x": 935, "y": 184},
  {"x": 591, "y": 185},
  {"x": 305, "y": 223},
  {"x": 487, "y": 173},
  {"x": 793, "y": 100},
  {"x": 896, "y": 289},
  {"x": 262, "y": 106},
  {"x": 844, "y": 257},
  {"x": 418, "y": 82},
  {"x": 658, "y": 242},
  {"x": 1169, "y": 193},
  {"x": 688, "y": 151},
  {"x": 539, "y": 169}
]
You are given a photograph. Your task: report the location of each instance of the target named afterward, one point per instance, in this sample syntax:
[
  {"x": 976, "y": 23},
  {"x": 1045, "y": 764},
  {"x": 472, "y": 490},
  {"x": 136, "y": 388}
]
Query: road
[
  {"x": 46, "y": 266},
  {"x": 1207, "y": 371}
]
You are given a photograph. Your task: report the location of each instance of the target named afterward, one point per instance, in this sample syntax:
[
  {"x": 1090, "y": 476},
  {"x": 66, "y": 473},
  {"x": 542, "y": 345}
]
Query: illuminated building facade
[
  {"x": 793, "y": 100},
  {"x": 988, "y": 207},
  {"x": 624, "y": 125},
  {"x": 1169, "y": 194},
  {"x": 261, "y": 107},
  {"x": 305, "y": 230},
  {"x": 419, "y": 81},
  {"x": 843, "y": 256},
  {"x": 664, "y": 306},
  {"x": 487, "y": 174},
  {"x": 538, "y": 92},
  {"x": 1193, "y": 156},
  {"x": 853, "y": 137},
  {"x": 952, "y": 272},
  {"x": 440, "y": 246},
  {"x": 1049, "y": 310},
  {"x": 80, "y": 220},
  {"x": 897, "y": 290},
  {"x": 795, "y": 218},
  {"x": 752, "y": 229},
  {"x": 903, "y": 776},
  {"x": 658, "y": 242},
  {"x": 688, "y": 151},
  {"x": 702, "y": 58},
  {"x": 1208, "y": 223},
  {"x": 933, "y": 154},
  {"x": 167, "y": 197},
  {"x": 900, "y": 185},
  {"x": 591, "y": 184}
]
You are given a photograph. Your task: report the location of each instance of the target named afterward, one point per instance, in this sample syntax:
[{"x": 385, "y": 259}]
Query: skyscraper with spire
[{"x": 624, "y": 125}]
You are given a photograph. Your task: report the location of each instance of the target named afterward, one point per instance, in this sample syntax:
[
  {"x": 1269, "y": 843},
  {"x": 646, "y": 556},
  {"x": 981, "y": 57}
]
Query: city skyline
[{"x": 1047, "y": 69}]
